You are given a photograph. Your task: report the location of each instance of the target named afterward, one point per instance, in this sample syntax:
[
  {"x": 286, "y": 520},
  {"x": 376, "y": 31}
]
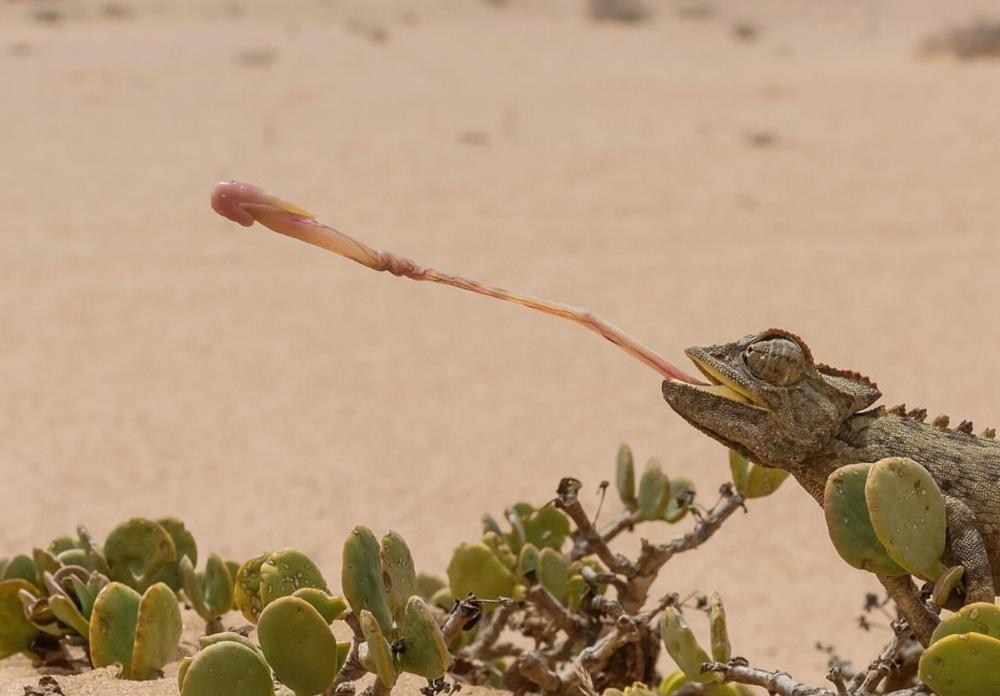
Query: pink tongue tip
[{"x": 228, "y": 198}]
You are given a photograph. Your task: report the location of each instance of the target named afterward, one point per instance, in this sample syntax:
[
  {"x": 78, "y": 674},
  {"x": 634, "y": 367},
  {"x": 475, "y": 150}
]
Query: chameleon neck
[{"x": 952, "y": 457}]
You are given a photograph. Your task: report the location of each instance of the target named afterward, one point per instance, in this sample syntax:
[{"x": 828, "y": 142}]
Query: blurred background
[{"x": 695, "y": 170}]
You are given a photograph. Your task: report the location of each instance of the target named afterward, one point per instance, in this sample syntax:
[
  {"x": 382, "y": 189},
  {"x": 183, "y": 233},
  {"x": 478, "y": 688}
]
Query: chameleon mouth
[{"x": 722, "y": 386}]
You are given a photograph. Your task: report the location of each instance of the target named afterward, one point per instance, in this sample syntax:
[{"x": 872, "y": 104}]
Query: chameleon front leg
[
  {"x": 916, "y": 612},
  {"x": 967, "y": 548}
]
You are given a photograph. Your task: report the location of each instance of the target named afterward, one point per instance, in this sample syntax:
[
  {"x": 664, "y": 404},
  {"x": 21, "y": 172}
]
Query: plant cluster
[{"x": 540, "y": 603}]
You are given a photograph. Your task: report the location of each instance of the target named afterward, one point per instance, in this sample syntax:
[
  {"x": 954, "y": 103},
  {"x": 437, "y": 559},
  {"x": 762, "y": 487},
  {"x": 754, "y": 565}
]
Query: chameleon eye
[{"x": 777, "y": 361}]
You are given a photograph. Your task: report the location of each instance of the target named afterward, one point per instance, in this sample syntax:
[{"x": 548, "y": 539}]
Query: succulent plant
[
  {"x": 475, "y": 569},
  {"x": 380, "y": 584},
  {"x": 979, "y": 617},
  {"x": 210, "y": 591},
  {"x": 658, "y": 497},
  {"x": 908, "y": 515},
  {"x": 185, "y": 547},
  {"x": 753, "y": 480},
  {"x": 273, "y": 574},
  {"x": 964, "y": 656},
  {"x": 681, "y": 494},
  {"x": 683, "y": 647},
  {"x": 429, "y": 585},
  {"x": 228, "y": 665},
  {"x": 376, "y": 653},
  {"x": 139, "y": 632},
  {"x": 298, "y": 644},
  {"x": 138, "y": 552},
  {"x": 654, "y": 492},
  {"x": 671, "y": 683},
  {"x": 625, "y": 477},
  {"x": 636, "y": 689},
  {"x": 424, "y": 651},
  {"x": 64, "y": 612},
  {"x": 889, "y": 518},
  {"x": 17, "y": 633},
  {"x": 20, "y": 567},
  {"x": 362, "y": 577},
  {"x": 65, "y": 551},
  {"x": 721, "y": 648},
  {"x": 553, "y": 573},
  {"x": 849, "y": 522},
  {"x": 949, "y": 584},
  {"x": 962, "y": 664}
]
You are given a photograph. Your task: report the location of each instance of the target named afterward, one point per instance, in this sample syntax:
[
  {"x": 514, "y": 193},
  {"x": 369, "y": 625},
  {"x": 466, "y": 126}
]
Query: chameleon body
[{"x": 772, "y": 403}]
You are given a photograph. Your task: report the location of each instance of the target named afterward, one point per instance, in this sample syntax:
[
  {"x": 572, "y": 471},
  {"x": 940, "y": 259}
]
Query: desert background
[{"x": 717, "y": 168}]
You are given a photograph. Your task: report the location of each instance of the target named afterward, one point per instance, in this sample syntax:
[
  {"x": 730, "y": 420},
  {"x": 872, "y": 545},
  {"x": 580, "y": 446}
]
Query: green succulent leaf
[
  {"x": 654, "y": 491},
  {"x": 625, "y": 477},
  {"x": 361, "y": 577},
  {"x": 425, "y": 653},
  {"x": 978, "y": 617},
  {"x": 398, "y": 573},
  {"x": 849, "y": 522},
  {"x": 963, "y": 664},
  {"x": 112, "y": 627},
  {"x": 683, "y": 647},
  {"x": 298, "y": 644},
  {"x": 553, "y": 573},
  {"x": 184, "y": 545},
  {"x": 20, "y": 567},
  {"x": 428, "y": 585},
  {"x": 377, "y": 655},
  {"x": 679, "y": 504},
  {"x": 721, "y": 649},
  {"x": 16, "y": 632},
  {"x": 226, "y": 668},
  {"x": 286, "y": 571},
  {"x": 329, "y": 607},
  {"x": 475, "y": 568},
  {"x": 500, "y": 549},
  {"x": 547, "y": 527},
  {"x": 908, "y": 514},
  {"x": 246, "y": 589},
  {"x": 138, "y": 551},
  {"x": 754, "y": 480},
  {"x": 68, "y": 613},
  {"x": 157, "y": 633}
]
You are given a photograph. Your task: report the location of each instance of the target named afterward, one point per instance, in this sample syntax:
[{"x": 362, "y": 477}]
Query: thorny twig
[
  {"x": 560, "y": 615},
  {"x": 782, "y": 683},
  {"x": 568, "y": 501},
  {"x": 652, "y": 557},
  {"x": 865, "y": 683},
  {"x": 462, "y": 614}
]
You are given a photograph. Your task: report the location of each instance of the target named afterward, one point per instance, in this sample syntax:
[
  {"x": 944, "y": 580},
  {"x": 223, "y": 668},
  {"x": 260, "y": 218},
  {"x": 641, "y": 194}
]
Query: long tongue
[{"x": 246, "y": 203}]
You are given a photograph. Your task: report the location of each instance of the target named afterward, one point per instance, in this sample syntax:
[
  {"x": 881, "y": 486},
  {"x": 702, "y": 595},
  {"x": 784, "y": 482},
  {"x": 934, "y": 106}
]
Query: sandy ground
[{"x": 691, "y": 185}]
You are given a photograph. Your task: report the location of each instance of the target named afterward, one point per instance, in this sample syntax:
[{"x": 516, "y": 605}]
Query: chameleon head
[{"x": 768, "y": 399}]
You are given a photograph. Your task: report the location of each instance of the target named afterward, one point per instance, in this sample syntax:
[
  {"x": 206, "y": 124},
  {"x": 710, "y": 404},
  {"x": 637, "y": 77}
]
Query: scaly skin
[{"x": 779, "y": 408}]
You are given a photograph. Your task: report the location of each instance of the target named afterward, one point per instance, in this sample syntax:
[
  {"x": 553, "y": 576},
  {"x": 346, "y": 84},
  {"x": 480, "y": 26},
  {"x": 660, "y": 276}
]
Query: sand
[{"x": 695, "y": 177}]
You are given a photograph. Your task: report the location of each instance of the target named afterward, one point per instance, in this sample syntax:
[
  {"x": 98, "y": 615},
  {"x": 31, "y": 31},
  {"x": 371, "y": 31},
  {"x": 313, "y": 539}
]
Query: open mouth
[{"x": 722, "y": 386}]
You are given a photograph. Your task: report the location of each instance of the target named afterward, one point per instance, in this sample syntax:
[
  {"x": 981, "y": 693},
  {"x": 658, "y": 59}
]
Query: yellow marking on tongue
[{"x": 290, "y": 207}]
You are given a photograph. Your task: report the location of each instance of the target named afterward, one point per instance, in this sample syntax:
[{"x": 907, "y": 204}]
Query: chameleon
[
  {"x": 765, "y": 397},
  {"x": 779, "y": 408}
]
